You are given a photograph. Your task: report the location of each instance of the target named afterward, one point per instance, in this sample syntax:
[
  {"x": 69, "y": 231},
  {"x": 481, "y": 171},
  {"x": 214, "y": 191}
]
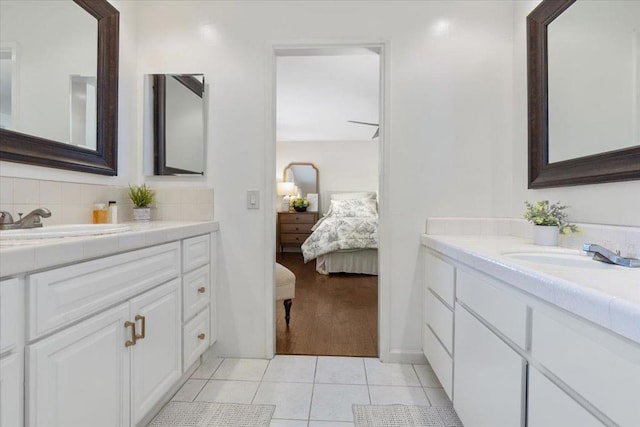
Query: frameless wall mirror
[
  {"x": 178, "y": 110},
  {"x": 303, "y": 175},
  {"x": 59, "y": 84},
  {"x": 584, "y": 92}
]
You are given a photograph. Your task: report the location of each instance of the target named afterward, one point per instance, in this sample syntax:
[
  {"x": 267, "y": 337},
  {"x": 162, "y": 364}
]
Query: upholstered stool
[{"x": 285, "y": 288}]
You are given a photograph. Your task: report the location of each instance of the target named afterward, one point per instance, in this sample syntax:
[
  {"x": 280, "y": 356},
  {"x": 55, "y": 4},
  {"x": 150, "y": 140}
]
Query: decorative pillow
[
  {"x": 351, "y": 196},
  {"x": 361, "y": 208}
]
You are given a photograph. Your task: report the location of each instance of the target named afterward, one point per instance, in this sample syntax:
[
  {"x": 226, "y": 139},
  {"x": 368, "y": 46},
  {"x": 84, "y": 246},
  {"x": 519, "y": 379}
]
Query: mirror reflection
[
  {"x": 48, "y": 68},
  {"x": 304, "y": 176},
  {"x": 178, "y": 123},
  {"x": 594, "y": 79}
]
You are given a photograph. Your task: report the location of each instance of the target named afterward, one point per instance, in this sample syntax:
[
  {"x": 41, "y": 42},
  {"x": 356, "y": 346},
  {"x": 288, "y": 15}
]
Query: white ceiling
[{"x": 318, "y": 90}]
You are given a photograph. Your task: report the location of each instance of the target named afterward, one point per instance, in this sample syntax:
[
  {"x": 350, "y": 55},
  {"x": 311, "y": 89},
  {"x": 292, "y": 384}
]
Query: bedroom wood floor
[{"x": 334, "y": 315}]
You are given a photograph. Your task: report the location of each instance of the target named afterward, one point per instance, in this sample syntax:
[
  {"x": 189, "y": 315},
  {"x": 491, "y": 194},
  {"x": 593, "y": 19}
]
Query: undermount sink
[
  {"x": 71, "y": 230},
  {"x": 559, "y": 259}
]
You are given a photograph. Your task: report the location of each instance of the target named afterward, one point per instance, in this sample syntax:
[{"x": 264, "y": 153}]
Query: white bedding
[{"x": 349, "y": 224}]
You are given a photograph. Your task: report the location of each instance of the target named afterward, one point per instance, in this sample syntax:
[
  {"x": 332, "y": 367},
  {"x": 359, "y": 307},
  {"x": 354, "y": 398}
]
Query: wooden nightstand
[{"x": 294, "y": 228}]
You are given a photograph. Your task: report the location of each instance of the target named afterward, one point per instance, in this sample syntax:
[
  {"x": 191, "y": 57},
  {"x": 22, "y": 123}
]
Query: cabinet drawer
[
  {"x": 570, "y": 349},
  {"x": 195, "y": 252},
  {"x": 440, "y": 277},
  {"x": 61, "y": 296},
  {"x": 10, "y": 313},
  {"x": 196, "y": 338},
  {"x": 438, "y": 358},
  {"x": 196, "y": 290},
  {"x": 304, "y": 227},
  {"x": 293, "y": 238},
  {"x": 550, "y": 406},
  {"x": 440, "y": 318},
  {"x": 503, "y": 311},
  {"x": 297, "y": 218}
]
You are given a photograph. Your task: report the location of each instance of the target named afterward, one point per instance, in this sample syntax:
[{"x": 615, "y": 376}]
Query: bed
[{"x": 345, "y": 240}]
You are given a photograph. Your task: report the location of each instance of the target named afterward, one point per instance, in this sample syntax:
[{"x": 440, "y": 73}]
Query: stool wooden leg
[{"x": 287, "y": 310}]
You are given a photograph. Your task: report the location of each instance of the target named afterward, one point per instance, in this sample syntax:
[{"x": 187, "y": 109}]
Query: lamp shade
[{"x": 285, "y": 188}]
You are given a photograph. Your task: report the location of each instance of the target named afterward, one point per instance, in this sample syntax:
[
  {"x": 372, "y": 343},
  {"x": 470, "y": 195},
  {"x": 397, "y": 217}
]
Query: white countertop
[
  {"x": 23, "y": 256},
  {"x": 608, "y": 295}
]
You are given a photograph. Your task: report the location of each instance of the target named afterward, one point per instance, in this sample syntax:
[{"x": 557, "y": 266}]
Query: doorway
[{"x": 328, "y": 115}]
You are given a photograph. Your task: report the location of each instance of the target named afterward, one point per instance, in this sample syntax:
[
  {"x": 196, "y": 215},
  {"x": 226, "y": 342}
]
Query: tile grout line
[
  {"x": 260, "y": 382},
  {"x": 366, "y": 379},
  {"x": 313, "y": 389},
  {"x": 207, "y": 380},
  {"x": 421, "y": 384}
]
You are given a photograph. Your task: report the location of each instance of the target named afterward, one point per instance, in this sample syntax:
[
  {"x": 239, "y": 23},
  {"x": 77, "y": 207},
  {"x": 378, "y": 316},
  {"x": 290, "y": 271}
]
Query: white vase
[
  {"x": 546, "y": 235},
  {"x": 141, "y": 214}
]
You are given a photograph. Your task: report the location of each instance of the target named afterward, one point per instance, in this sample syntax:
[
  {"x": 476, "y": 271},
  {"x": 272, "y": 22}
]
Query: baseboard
[{"x": 402, "y": 356}]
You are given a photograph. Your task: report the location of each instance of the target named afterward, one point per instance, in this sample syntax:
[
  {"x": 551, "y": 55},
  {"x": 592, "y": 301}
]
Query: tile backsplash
[
  {"x": 624, "y": 239},
  {"x": 72, "y": 203}
]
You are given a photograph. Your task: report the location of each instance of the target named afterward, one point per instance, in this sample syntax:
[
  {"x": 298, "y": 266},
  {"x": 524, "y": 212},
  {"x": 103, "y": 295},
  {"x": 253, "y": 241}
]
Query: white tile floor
[{"x": 311, "y": 391}]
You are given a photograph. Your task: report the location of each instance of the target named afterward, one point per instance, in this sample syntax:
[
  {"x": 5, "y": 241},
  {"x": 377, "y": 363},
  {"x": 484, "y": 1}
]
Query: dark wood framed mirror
[
  {"x": 178, "y": 124},
  {"x": 621, "y": 164},
  {"x": 24, "y": 148}
]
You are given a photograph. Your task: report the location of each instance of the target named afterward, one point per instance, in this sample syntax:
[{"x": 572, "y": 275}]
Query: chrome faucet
[
  {"x": 30, "y": 220},
  {"x": 605, "y": 255}
]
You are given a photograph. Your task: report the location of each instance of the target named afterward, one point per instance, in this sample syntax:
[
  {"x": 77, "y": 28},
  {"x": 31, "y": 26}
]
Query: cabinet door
[
  {"x": 11, "y": 392},
  {"x": 551, "y": 407},
  {"x": 488, "y": 376},
  {"x": 156, "y": 361},
  {"x": 80, "y": 376}
]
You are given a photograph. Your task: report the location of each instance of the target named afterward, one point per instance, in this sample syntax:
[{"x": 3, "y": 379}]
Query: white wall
[
  {"x": 615, "y": 203},
  {"x": 450, "y": 99},
  {"x": 127, "y": 109},
  {"x": 342, "y": 165}
]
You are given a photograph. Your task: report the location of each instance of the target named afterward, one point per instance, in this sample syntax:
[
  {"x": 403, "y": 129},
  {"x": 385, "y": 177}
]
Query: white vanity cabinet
[
  {"x": 113, "y": 367},
  {"x": 106, "y": 340},
  {"x": 518, "y": 360}
]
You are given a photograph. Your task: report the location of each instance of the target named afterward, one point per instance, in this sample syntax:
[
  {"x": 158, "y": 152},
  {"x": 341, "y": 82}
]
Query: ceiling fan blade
[
  {"x": 363, "y": 123},
  {"x": 377, "y": 134}
]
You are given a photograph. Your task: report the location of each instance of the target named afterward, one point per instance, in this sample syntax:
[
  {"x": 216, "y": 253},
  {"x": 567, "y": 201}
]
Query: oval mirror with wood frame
[
  {"x": 99, "y": 157},
  {"x": 560, "y": 35}
]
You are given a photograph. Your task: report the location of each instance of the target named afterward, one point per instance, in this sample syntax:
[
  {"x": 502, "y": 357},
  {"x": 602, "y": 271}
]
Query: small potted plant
[
  {"x": 300, "y": 204},
  {"x": 549, "y": 221},
  {"x": 142, "y": 197}
]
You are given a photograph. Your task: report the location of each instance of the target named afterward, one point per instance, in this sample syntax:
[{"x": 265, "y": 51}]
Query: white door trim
[{"x": 270, "y": 212}]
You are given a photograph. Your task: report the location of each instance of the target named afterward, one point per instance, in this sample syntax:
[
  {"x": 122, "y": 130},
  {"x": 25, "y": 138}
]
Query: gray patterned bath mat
[
  {"x": 405, "y": 416},
  {"x": 205, "y": 414}
]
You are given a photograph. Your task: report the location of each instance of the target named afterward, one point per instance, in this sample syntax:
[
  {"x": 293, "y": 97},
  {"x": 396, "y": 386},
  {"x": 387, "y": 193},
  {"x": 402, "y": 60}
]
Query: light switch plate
[{"x": 253, "y": 199}]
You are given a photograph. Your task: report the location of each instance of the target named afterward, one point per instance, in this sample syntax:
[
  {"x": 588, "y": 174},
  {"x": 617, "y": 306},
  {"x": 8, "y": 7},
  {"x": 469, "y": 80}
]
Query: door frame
[{"x": 384, "y": 209}]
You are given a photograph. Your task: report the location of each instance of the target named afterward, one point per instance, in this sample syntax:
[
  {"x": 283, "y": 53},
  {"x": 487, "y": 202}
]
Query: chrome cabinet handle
[
  {"x": 144, "y": 327},
  {"x": 132, "y": 341}
]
